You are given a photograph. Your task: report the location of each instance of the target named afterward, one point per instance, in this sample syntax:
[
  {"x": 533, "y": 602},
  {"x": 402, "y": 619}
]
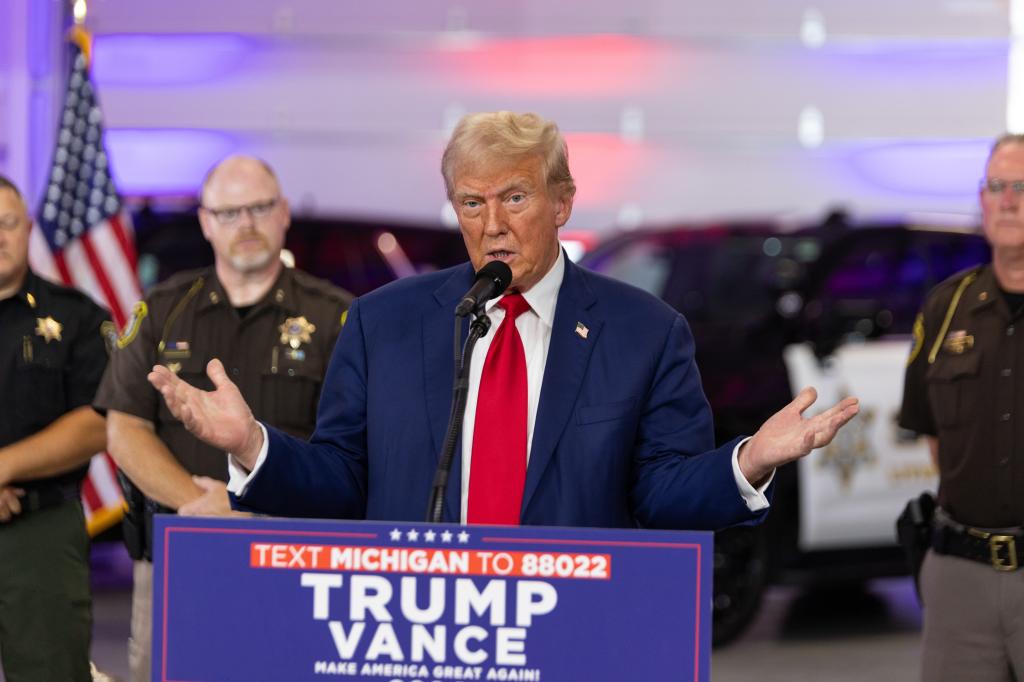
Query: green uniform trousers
[{"x": 45, "y": 605}]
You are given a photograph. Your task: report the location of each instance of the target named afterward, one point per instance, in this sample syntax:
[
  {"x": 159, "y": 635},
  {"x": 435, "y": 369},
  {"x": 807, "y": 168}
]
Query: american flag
[{"x": 86, "y": 240}]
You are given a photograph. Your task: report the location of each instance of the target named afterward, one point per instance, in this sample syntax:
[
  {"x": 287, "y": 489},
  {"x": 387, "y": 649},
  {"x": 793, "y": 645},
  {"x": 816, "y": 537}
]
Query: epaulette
[
  {"x": 320, "y": 286},
  {"x": 177, "y": 283},
  {"x": 60, "y": 290}
]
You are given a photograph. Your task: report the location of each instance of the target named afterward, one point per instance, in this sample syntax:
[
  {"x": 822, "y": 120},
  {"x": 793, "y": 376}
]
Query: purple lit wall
[
  {"x": 30, "y": 88},
  {"x": 673, "y": 111}
]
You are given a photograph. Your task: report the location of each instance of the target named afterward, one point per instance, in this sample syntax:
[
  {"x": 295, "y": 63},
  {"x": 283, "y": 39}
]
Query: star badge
[
  {"x": 48, "y": 328},
  {"x": 296, "y": 331}
]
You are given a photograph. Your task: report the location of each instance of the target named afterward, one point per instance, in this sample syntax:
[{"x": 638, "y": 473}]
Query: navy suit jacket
[{"x": 623, "y": 435}]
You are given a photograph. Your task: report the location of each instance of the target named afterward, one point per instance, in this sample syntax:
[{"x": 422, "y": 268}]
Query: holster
[
  {"x": 914, "y": 533},
  {"x": 136, "y": 523}
]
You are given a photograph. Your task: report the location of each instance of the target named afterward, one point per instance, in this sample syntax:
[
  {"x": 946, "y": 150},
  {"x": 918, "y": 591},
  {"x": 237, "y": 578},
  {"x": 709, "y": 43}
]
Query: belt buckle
[{"x": 996, "y": 543}]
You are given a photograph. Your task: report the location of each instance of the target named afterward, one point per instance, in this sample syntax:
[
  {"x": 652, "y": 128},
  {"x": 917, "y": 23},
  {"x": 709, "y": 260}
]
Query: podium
[{"x": 292, "y": 600}]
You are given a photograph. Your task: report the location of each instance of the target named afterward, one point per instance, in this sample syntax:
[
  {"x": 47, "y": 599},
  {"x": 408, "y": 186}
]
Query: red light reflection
[{"x": 565, "y": 65}]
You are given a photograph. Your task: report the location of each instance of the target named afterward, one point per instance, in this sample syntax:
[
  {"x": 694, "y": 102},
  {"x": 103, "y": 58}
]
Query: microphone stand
[{"x": 460, "y": 392}]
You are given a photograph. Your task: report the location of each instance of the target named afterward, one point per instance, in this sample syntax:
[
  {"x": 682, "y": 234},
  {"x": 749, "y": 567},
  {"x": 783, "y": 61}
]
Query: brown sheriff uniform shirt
[
  {"x": 52, "y": 356},
  {"x": 962, "y": 386},
  {"x": 277, "y": 354}
]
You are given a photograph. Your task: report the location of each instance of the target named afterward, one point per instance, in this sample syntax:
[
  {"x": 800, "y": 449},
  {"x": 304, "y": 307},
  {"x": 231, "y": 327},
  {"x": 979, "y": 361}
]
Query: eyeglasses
[
  {"x": 230, "y": 215},
  {"x": 997, "y": 186}
]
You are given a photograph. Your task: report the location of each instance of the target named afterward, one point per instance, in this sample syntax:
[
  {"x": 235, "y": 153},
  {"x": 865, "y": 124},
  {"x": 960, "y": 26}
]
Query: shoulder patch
[
  {"x": 131, "y": 327},
  {"x": 918, "y": 338},
  {"x": 108, "y": 330}
]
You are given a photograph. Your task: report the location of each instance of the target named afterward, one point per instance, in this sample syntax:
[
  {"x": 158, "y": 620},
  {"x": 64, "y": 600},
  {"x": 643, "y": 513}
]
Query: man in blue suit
[{"x": 599, "y": 418}]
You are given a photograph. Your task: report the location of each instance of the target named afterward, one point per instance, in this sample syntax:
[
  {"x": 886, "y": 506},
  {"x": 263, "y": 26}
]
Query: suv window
[
  {"x": 876, "y": 279},
  {"x": 644, "y": 263}
]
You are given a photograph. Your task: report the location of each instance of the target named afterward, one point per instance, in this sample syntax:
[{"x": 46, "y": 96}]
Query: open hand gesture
[
  {"x": 219, "y": 417},
  {"x": 788, "y": 435}
]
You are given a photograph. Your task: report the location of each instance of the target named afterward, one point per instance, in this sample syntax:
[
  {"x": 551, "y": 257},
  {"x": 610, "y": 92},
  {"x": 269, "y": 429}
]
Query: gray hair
[
  {"x": 7, "y": 183},
  {"x": 1003, "y": 140}
]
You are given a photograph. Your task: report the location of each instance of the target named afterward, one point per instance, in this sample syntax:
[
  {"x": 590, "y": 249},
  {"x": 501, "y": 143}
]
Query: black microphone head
[
  {"x": 491, "y": 280},
  {"x": 500, "y": 273}
]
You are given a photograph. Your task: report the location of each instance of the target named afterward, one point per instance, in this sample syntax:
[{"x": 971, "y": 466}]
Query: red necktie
[{"x": 498, "y": 464}]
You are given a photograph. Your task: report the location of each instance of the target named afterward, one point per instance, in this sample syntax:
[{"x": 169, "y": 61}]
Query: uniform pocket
[
  {"x": 952, "y": 384},
  {"x": 191, "y": 370},
  {"x": 288, "y": 398}
]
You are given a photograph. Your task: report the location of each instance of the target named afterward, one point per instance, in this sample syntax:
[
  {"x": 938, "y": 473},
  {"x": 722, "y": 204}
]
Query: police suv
[{"x": 772, "y": 311}]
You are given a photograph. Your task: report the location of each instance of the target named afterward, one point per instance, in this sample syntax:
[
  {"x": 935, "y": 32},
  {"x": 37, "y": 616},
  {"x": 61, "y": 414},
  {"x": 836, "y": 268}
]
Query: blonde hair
[{"x": 508, "y": 136}]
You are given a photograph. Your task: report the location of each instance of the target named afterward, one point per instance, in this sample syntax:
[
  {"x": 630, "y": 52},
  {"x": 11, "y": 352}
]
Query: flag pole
[
  {"x": 78, "y": 33},
  {"x": 85, "y": 234}
]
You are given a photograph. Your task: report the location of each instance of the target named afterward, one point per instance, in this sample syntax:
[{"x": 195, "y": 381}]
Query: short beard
[{"x": 251, "y": 262}]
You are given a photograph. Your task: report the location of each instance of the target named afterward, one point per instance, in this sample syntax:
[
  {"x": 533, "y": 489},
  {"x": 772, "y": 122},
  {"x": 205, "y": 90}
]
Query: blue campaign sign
[{"x": 287, "y": 599}]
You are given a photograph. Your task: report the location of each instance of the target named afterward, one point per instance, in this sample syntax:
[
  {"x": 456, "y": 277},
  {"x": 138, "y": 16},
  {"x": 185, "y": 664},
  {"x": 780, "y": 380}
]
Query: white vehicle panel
[{"x": 852, "y": 490}]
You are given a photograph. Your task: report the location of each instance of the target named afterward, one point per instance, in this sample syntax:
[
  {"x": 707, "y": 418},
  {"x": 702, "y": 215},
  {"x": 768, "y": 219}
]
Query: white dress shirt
[{"x": 534, "y": 328}]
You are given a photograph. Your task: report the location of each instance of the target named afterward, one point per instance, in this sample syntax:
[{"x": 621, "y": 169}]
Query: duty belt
[
  {"x": 1003, "y": 549},
  {"x": 48, "y": 496}
]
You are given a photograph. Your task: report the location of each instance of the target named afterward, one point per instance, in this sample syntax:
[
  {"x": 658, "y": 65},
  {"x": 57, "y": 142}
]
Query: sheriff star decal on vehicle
[{"x": 851, "y": 448}]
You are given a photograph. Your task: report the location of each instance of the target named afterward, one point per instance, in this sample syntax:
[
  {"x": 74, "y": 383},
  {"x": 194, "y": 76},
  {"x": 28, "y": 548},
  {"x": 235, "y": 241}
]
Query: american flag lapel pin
[{"x": 581, "y": 330}]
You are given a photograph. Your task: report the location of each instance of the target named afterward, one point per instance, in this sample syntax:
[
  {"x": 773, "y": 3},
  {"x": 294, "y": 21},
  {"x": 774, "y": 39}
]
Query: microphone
[{"x": 492, "y": 279}]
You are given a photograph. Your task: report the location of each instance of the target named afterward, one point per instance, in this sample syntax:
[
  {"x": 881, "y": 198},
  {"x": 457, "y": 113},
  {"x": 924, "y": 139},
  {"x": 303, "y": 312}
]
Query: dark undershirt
[
  {"x": 244, "y": 310},
  {"x": 1015, "y": 301}
]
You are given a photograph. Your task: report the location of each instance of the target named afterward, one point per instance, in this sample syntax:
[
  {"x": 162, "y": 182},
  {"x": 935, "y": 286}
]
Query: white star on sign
[
  {"x": 429, "y": 536},
  {"x": 463, "y": 537},
  {"x": 446, "y": 536},
  {"x": 413, "y": 535},
  {"x": 396, "y": 535}
]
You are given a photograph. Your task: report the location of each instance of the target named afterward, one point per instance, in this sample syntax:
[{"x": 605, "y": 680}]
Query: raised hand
[
  {"x": 788, "y": 435},
  {"x": 219, "y": 417}
]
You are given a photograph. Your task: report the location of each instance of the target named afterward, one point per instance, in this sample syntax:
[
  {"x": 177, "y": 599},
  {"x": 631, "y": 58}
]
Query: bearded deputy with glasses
[
  {"x": 272, "y": 327},
  {"x": 962, "y": 392}
]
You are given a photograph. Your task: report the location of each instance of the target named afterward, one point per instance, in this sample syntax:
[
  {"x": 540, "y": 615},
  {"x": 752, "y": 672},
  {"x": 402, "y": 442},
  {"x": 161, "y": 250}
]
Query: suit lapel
[
  {"x": 438, "y": 326},
  {"x": 568, "y": 356}
]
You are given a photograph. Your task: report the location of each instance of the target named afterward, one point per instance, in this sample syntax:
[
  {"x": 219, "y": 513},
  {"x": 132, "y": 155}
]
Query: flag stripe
[
  {"x": 41, "y": 259},
  {"x": 108, "y": 251},
  {"x": 64, "y": 270},
  {"x": 89, "y": 495},
  {"x": 85, "y": 239},
  {"x": 100, "y": 275},
  {"x": 121, "y": 226},
  {"x": 104, "y": 478},
  {"x": 80, "y": 272}
]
